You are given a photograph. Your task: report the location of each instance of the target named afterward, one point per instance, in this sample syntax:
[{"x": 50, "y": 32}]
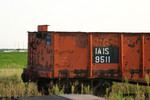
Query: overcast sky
[{"x": 19, "y": 16}]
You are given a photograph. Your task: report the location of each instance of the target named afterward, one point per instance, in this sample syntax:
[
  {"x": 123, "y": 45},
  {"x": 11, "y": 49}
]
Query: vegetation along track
[{"x": 13, "y": 87}]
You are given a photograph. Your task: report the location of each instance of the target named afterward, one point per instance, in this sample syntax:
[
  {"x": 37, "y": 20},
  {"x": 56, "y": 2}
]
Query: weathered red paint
[
  {"x": 43, "y": 27},
  {"x": 70, "y": 55},
  {"x": 143, "y": 60},
  {"x": 91, "y": 55},
  {"x": 121, "y": 54}
]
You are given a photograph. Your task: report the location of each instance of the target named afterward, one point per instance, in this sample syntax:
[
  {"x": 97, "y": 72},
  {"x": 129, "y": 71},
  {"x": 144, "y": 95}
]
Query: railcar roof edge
[{"x": 92, "y": 32}]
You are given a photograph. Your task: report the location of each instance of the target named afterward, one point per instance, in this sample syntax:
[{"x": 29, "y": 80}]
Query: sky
[{"x": 17, "y": 17}]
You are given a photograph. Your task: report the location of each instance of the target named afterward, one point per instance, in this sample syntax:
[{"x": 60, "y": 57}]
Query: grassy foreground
[
  {"x": 126, "y": 91},
  {"x": 11, "y": 68},
  {"x": 11, "y": 84}
]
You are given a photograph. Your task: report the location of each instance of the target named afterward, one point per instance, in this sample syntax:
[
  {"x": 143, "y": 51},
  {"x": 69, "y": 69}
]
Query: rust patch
[
  {"x": 42, "y": 58},
  {"x": 81, "y": 73},
  {"x": 112, "y": 73},
  {"x": 48, "y": 51},
  {"x": 135, "y": 71},
  {"x": 110, "y": 39},
  {"x": 108, "y": 44},
  {"x": 64, "y": 73},
  {"x": 101, "y": 41},
  {"x": 126, "y": 63},
  {"x": 138, "y": 39},
  {"x": 81, "y": 41},
  {"x": 138, "y": 51},
  {"x": 148, "y": 70},
  {"x": 131, "y": 45},
  {"x": 65, "y": 51}
]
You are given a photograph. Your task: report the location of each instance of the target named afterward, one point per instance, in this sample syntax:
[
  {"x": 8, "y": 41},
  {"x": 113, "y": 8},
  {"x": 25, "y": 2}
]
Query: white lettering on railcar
[
  {"x": 102, "y": 51},
  {"x": 102, "y": 59},
  {"x": 97, "y": 59},
  {"x": 105, "y": 54},
  {"x": 106, "y": 51}
]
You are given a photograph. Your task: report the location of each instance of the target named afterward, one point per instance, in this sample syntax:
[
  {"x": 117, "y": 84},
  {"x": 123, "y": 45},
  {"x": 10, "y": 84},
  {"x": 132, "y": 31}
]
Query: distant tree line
[{"x": 13, "y": 50}]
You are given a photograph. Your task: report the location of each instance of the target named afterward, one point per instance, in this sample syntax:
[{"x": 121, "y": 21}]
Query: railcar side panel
[
  {"x": 40, "y": 50},
  {"x": 132, "y": 56},
  {"x": 72, "y": 55},
  {"x": 106, "y": 56},
  {"x": 40, "y": 53},
  {"x": 147, "y": 54}
]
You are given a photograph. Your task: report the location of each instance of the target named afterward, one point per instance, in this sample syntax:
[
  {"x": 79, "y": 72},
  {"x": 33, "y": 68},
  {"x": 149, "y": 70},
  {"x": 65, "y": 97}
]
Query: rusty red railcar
[{"x": 92, "y": 56}]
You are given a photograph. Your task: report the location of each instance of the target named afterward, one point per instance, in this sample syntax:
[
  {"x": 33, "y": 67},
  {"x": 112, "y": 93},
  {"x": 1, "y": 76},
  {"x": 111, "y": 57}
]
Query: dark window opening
[
  {"x": 48, "y": 39},
  {"x": 39, "y": 35}
]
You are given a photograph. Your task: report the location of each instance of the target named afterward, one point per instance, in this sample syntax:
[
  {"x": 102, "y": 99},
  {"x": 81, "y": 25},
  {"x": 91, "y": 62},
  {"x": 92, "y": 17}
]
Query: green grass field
[{"x": 13, "y": 59}]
